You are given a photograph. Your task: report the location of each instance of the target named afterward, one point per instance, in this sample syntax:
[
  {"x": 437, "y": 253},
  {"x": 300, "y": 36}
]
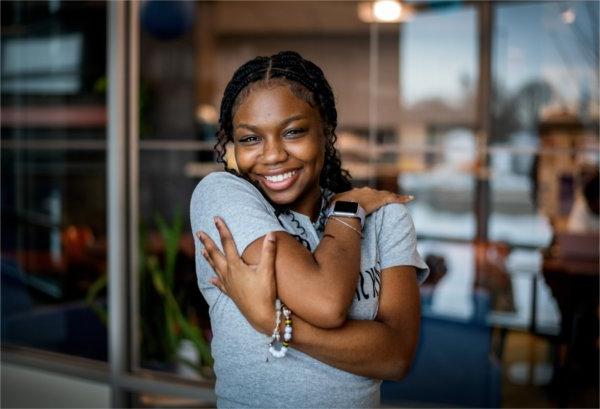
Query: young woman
[{"x": 343, "y": 260}]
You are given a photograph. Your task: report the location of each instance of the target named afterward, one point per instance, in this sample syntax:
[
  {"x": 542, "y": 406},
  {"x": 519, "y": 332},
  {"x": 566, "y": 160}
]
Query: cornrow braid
[{"x": 289, "y": 67}]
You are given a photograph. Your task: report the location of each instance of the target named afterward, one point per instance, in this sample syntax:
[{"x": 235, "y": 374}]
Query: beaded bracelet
[
  {"x": 275, "y": 335},
  {"x": 279, "y": 348},
  {"x": 287, "y": 331}
]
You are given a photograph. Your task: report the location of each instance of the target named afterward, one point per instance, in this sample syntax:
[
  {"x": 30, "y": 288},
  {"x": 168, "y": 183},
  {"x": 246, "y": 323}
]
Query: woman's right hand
[
  {"x": 251, "y": 287},
  {"x": 371, "y": 199}
]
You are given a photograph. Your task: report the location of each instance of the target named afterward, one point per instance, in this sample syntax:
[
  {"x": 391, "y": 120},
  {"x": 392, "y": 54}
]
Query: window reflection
[
  {"x": 449, "y": 36},
  {"x": 437, "y": 118},
  {"x": 53, "y": 176},
  {"x": 445, "y": 188},
  {"x": 47, "y": 65},
  {"x": 545, "y": 125}
]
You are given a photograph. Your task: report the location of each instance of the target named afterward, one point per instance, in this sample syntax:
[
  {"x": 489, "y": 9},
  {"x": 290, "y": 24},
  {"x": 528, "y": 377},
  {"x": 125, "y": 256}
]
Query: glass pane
[
  {"x": 173, "y": 316},
  {"x": 435, "y": 122},
  {"x": 489, "y": 283},
  {"x": 545, "y": 123},
  {"x": 430, "y": 38},
  {"x": 545, "y": 63},
  {"x": 445, "y": 187},
  {"x": 543, "y": 159},
  {"x": 516, "y": 217},
  {"x": 53, "y": 176}
]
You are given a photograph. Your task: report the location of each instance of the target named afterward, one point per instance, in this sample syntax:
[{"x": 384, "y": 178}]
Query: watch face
[{"x": 346, "y": 207}]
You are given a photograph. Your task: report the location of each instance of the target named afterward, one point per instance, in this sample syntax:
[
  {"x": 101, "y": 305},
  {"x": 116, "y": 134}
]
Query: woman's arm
[
  {"x": 319, "y": 286},
  {"x": 381, "y": 349}
]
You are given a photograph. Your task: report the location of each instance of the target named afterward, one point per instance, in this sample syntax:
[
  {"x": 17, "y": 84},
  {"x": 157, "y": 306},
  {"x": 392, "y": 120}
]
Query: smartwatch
[{"x": 347, "y": 209}]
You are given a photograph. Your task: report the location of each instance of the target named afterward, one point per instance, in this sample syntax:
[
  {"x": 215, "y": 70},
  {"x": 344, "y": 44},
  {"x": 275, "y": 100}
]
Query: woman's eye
[
  {"x": 248, "y": 139},
  {"x": 294, "y": 132}
]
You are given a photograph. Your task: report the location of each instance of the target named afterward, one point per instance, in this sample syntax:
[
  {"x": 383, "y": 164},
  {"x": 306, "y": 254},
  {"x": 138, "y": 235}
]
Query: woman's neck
[{"x": 309, "y": 205}]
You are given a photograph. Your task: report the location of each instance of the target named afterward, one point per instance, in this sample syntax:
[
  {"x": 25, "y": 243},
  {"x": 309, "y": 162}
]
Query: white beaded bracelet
[
  {"x": 287, "y": 331},
  {"x": 279, "y": 348}
]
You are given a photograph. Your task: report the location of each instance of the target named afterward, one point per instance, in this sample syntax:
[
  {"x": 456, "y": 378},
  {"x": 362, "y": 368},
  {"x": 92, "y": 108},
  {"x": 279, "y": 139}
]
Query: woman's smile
[
  {"x": 279, "y": 143},
  {"x": 280, "y": 180}
]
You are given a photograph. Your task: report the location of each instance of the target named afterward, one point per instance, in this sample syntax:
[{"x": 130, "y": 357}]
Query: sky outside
[{"x": 530, "y": 42}]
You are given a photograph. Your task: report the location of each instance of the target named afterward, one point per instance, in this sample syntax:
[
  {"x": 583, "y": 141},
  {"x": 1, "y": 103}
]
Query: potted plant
[{"x": 165, "y": 327}]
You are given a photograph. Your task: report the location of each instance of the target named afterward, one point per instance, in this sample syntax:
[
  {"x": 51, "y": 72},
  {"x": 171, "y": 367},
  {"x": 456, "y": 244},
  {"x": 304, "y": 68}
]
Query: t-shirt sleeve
[
  {"x": 397, "y": 241},
  {"x": 246, "y": 213}
]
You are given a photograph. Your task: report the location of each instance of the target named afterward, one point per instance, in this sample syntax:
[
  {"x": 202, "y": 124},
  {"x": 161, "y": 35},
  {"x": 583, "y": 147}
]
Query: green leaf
[{"x": 92, "y": 295}]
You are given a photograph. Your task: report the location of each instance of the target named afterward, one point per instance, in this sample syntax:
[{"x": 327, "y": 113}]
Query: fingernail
[
  {"x": 200, "y": 235},
  {"x": 217, "y": 220},
  {"x": 410, "y": 197},
  {"x": 271, "y": 237}
]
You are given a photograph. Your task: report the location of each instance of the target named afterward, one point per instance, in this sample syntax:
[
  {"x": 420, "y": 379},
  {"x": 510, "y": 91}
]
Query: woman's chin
[{"x": 282, "y": 198}]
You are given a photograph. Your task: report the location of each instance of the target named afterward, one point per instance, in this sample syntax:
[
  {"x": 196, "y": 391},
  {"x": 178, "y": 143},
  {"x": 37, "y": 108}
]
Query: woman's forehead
[
  {"x": 296, "y": 88},
  {"x": 270, "y": 102}
]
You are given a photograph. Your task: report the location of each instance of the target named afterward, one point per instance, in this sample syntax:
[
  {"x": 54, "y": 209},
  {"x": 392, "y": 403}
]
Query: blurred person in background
[{"x": 584, "y": 215}]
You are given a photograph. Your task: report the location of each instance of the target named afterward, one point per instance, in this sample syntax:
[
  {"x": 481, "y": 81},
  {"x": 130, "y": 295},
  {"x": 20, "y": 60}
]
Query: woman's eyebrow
[
  {"x": 247, "y": 126},
  {"x": 281, "y": 124},
  {"x": 291, "y": 119}
]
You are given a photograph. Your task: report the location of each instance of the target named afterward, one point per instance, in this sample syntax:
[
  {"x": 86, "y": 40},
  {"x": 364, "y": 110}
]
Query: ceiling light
[
  {"x": 384, "y": 11},
  {"x": 387, "y": 11},
  {"x": 568, "y": 16}
]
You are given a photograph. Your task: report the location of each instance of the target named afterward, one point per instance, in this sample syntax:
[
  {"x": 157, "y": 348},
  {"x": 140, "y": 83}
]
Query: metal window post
[
  {"x": 373, "y": 100},
  {"x": 482, "y": 187},
  {"x": 122, "y": 154}
]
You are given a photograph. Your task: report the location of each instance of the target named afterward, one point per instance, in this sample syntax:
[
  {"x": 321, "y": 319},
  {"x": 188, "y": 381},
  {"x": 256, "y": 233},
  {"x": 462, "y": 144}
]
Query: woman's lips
[{"x": 281, "y": 181}]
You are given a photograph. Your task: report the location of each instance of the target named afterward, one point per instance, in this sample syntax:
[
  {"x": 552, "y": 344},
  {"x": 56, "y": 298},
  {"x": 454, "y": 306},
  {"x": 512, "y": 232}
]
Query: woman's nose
[{"x": 274, "y": 151}]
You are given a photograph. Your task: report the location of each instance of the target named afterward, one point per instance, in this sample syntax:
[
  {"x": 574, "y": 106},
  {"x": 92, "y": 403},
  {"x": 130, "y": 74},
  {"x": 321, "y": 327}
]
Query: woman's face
[{"x": 279, "y": 143}]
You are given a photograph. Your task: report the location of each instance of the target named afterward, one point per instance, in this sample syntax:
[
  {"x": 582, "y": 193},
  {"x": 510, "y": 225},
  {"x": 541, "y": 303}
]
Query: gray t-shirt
[{"x": 244, "y": 376}]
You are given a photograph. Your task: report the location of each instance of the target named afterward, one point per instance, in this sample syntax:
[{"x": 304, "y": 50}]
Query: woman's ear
[{"x": 230, "y": 156}]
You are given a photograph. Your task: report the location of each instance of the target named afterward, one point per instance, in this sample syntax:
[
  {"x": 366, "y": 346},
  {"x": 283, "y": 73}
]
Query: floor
[{"x": 522, "y": 388}]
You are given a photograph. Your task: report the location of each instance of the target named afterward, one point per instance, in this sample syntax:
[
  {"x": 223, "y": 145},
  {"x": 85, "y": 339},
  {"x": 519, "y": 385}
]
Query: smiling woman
[
  {"x": 280, "y": 143},
  {"x": 353, "y": 297}
]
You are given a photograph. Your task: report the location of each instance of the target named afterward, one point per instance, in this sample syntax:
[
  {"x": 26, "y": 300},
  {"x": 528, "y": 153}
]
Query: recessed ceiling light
[{"x": 387, "y": 10}]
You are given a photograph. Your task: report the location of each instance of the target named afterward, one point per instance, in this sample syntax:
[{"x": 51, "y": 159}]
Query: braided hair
[{"x": 308, "y": 83}]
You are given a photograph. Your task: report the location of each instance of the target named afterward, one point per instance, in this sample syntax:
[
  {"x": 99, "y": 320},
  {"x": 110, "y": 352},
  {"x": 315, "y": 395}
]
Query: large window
[
  {"x": 53, "y": 110},
  {"x": 545, "y": 115},
  {"x": 436, "y": 120}
]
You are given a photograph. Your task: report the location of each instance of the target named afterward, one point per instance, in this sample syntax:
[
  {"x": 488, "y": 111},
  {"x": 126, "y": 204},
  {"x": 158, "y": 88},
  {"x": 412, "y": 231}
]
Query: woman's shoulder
[
  {"x": 394, "y": 217},
  {"x": 223, "y": 184},
  {"x": 220, "y": 178},
  {"x": 396, "y": 211}
]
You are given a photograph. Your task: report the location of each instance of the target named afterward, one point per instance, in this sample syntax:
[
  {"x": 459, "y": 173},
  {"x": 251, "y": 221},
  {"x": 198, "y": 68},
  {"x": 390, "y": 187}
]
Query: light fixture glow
[
  {"x": 568, "y": 16},
  {"x": 387, "y": 10}
]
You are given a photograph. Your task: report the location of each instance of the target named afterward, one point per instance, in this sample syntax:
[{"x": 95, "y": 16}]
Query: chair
[{"x": 453, "y": 366}]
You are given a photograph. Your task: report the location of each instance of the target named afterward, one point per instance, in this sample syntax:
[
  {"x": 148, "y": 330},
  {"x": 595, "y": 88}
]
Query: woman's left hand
[{"x": 251, "y": 287}]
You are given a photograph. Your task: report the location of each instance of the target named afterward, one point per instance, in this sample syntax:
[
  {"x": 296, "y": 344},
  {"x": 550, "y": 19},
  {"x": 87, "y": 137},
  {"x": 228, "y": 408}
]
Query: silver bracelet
[{"x": 348, "y": 225}]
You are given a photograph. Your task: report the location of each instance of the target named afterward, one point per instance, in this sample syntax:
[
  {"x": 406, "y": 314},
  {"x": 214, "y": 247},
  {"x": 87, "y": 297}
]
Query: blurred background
[{"x": 487, "y": 112}]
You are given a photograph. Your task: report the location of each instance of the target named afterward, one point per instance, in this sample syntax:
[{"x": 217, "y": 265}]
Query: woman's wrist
[
  {"x": 348, "y": 224},
  {"x": 264, "y": 320}
]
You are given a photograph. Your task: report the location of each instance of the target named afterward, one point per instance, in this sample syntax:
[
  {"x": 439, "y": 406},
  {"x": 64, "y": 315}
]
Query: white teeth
[{"x": 280, "y": 178}]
